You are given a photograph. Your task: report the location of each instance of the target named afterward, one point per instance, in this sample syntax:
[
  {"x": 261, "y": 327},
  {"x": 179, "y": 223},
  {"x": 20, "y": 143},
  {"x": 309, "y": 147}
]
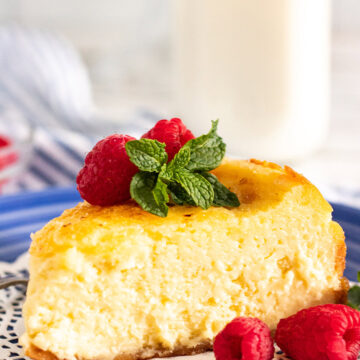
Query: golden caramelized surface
[
  {"x": 259, "y": 186},
  {"x": 109, "y": 281}
]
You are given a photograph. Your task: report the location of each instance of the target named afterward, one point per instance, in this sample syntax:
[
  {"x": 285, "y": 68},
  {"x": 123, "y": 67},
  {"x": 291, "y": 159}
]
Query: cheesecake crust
[{"x": 36, "y": 353}]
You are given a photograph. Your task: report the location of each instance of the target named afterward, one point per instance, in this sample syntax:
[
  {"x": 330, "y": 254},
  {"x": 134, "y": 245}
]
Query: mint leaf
[
  {"x": 147, "y": 154},
  {"x": 185, "y": 178},
  {"x": 206, "y": 151},
  {"x": 179, "y": 195},
  {"x": 222, "y": 195},
  {"x": 180, "y": 160},
  {"x": 150, "y": 193},
  {"x": 196, "y": 186},
  {"x": 354, "y": 297},
  {"x": 160, "y": 194}
]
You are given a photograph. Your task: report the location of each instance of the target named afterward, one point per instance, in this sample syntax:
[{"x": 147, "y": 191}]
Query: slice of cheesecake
[{"x": 119, "y": 283}]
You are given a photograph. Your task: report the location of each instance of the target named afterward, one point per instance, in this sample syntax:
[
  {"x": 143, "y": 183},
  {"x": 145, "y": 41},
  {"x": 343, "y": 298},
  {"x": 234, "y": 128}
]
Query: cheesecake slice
[{"x": 119, "y": 283}]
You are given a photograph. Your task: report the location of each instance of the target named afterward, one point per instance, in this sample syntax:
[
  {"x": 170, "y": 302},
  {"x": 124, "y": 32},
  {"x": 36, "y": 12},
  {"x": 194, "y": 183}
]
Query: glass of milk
[{"x": 261, "y": 67}]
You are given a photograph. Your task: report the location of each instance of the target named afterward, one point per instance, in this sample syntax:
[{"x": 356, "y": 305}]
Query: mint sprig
[
  {"x": 196, "y": 186},
  {"x": 206, "y": 151},
  {"x": 179, "y": 196},
  {"x": 150, "y": 193},
  {"x": 147, "y": 155},
  {"x": 185, "y": 178},
  {"x": 354, "y": 295},
  {"x": 222, "y": 195}
]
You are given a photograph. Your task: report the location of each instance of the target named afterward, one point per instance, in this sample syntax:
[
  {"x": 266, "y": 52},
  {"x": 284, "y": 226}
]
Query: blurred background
[{"x": 283, "y": 78}]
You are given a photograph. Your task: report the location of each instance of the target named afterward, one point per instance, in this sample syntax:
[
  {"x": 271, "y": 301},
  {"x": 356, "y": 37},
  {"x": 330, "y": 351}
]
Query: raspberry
[
  {"x": 4, "y": 141},
  {"x": 171, "y": 132},
  {"x": 107, "y": 173},
  {"x": 6, "y": 158},
  {"x": 245, "y": 339},
  {"x": 330, "y": 332}
]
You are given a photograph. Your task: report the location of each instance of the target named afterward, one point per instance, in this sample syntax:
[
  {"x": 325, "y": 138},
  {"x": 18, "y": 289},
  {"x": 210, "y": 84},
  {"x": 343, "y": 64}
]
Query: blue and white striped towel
[
  {"x": 43, "y": 80},
  {"x": 43, "y": 77},
  {"x": 58, "y": 155}
]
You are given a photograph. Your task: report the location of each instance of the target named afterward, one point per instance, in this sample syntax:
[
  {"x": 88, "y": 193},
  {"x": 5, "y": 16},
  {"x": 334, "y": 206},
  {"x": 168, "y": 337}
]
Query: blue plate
[
  {"x": 25, "y": 213},
  {"x": 22, "y": 214}
]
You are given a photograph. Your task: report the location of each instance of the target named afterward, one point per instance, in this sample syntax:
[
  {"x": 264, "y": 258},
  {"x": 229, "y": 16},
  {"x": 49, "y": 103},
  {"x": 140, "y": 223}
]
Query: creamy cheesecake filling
[
  {"x": 115, "y": 281},
  {"x": 180, "y": 284}
]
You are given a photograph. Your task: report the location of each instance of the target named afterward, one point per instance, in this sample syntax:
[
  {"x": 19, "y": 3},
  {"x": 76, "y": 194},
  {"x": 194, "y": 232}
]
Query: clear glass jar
[{"x": 261, "y": 67}]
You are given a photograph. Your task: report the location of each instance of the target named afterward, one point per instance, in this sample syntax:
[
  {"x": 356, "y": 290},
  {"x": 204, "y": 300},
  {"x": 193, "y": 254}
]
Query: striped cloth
[
  {"x": 43, "y": 77},
  {"x": 58, "y": 154},
  {"x": 43, "y": 80}
]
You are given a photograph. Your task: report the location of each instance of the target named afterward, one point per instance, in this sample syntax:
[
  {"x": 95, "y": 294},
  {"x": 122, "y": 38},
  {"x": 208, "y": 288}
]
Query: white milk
[{"x": 261, "y": 67}]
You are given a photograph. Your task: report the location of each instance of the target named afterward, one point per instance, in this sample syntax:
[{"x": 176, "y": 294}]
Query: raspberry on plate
[
  {"x": 171, "y": 132},
  {"x": 107, "y": 173},
  {"x": 246, "y": 339},
  {"x": 330, "y": 332}
]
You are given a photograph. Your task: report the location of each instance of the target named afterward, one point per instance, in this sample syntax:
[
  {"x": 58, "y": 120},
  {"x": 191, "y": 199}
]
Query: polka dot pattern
[{"x": 11, "y": 322}]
